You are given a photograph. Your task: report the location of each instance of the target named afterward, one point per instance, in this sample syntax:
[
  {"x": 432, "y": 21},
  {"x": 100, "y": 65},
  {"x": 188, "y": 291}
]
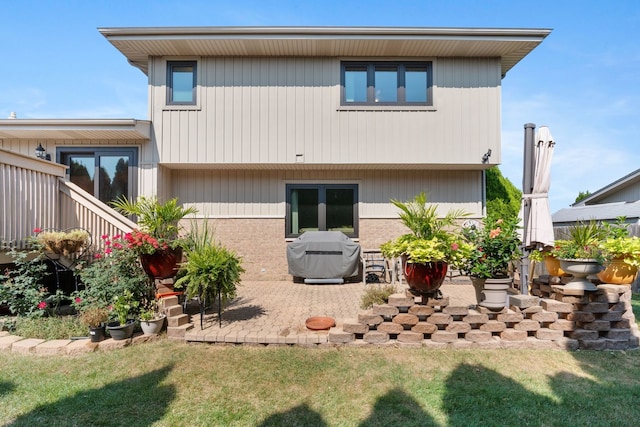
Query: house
[
  {"x": 272, "y": 131},
  {"x": 620, "y": 198}
]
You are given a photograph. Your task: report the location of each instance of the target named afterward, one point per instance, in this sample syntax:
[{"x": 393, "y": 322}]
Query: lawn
[{"x": 167, "y": 383}]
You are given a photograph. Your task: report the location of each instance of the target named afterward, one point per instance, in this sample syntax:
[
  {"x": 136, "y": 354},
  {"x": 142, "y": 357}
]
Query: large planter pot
[
  {"x": 121, "y": 332},
  {"x": 161, "y": 264},
  {"x": 580, "y": 269},
  {"x": 97, "y": 334},
  {"x": 618, "y": 272},
  {"x": 552, "y": 264},
  {"x": 152, "y": 327},
  {"x": 424, "y": 279},
  {"x": 492, "y": 293}
]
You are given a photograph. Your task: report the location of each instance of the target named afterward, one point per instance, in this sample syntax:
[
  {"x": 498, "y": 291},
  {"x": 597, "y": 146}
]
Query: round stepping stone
[{"x": 320, "y": 323}]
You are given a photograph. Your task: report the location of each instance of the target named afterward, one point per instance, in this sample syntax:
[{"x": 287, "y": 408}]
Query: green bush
[
  {"x": 21, "y": 288},
  {"x": 376, "y": 295}
]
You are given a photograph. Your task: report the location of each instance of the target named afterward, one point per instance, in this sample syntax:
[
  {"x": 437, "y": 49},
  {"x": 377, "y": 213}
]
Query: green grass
[
  {"x": 167, "y": 383},
  {"x": 50, "y": 328}
]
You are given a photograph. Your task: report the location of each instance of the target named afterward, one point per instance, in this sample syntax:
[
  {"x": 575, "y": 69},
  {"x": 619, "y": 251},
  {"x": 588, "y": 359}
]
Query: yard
[{"x": 168, "y": 383}]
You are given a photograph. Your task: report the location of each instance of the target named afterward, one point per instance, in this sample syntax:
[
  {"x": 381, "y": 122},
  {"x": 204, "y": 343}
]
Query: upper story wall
[{"x": 287, "y": 110}]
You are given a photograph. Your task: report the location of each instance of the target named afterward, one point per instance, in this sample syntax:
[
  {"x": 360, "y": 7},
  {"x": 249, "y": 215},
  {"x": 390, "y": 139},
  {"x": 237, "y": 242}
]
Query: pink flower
[
  {"x": 117, "y": 245},
  {"x": 454, "y": 246},
  {"x": 37, "y": 230},
  {"x": 107, "y": 242},
  {"x": 117, "y": 236},
  {"x": 104, "y": 236},
  {"x": 78, "y": 300},
  {"x": 97, "y": 256},
  {"x": 42, "y": 305},
  {"x": 107, "y": 251}
]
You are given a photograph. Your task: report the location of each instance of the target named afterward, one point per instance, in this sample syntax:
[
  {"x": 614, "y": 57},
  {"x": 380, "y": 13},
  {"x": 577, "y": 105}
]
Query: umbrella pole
[{"x": 527, "y": 188}]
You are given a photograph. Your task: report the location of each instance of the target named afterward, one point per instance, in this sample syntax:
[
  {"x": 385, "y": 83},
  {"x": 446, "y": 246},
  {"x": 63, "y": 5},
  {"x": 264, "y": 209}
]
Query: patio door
[{"x": 107, "y": 173}]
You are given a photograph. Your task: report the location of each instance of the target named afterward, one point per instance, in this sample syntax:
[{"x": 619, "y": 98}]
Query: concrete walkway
[{"x": 275, "y": 312}]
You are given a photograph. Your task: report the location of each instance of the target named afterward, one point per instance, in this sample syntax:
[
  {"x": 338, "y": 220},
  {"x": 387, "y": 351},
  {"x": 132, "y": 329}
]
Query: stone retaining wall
[{"x": 565, "y": 319}]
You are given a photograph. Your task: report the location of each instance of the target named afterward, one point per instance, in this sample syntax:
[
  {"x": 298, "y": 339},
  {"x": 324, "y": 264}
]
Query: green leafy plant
[
  {"x": 624, "y": 248},
  {"x": 112, "y": 272},
  {"x": 159, "y": 222},
  {"x": 496, "y": 246},
  {"x": 376, "y": 295},
  {"x": 582, "y": 242},
  {"x": 432, "y": 238},
  {"x": 125, "y": 306},
  {"x": 150, "y": 311}
]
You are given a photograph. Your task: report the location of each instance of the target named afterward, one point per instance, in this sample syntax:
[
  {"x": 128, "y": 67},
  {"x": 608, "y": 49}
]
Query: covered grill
[{"x": 323, "y": 256}]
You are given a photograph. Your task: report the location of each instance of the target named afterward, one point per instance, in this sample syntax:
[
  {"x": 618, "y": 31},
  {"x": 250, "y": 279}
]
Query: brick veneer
[{"x": 566, "y": 319}]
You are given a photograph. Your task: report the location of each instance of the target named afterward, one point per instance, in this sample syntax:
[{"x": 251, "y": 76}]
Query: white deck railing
[{"x": 34, "y": 194}]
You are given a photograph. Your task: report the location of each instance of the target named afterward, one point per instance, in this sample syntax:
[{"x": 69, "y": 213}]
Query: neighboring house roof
[
  {"x": 140, "y": 43},
  {"x": 82, "y": 129},
  {"x": 625, "y": 181},
  {"x": 602, "y": 212}
]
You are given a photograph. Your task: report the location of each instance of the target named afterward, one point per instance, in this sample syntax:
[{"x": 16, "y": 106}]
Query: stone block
[
  {"x": 174, "y": 310},
  {"x": 597, "y": 325},
  {"x": 493, "y": 326},
  {"x": 178, "y": 332},
  {"x": 440, "y": 319},
  {"x": 618, "y": 334},
  {"x": 527, "y": 325},
  {"x": 385, "y": 310},
  {"x": 593, "y": 344},
  {"x": 545, "y": 316},
  {"x": 563, "y": 290},
  {"x": 562, "y": 325},
  {"x": 616, "y": 344},
  {"x": 353, "y": 327},
  {"x": 111, "y": 344},
  {"x": 612, "y": 316},
  {"x": 532, "y": 310},
  {"x": 390, "y": 328},
  {"x": 8, "y": 340},
  {"x": 556, "y": 306},
  {"x": 622, "y": 324},
  {"x": 477, "y": 335},
  {"x": 607, "y": 297},
  {"x": 475, "y": 318},
  {"x": 405, "y": 319},
  {"x": 432, "y": 345},
  {"x": 456, "y": 310},
  {"x": 549, "y": 334},
  {"x": 436, "y": 302},
  {"x": 444, "y": 336},
  {"x": 26, "y": 346},
  {"x": 369, "y": 319},
  {"x": 596, "y": 307},
  {"x": 166, "y": 302},
  {"x": 422, "y": 311},
  {"x": 568, "y": 344},
  {"x": 513, "y": 335},
  {"x": 524, "y": 301},
  {"x": 80, "y": 347},
  {"x": 179, "y": 320},
  {"x": 52, "y": 347},
  {"x": 374, "y": 337},
  {"x": 400, "y": 300},
  {"x": 581, "y": 316},
  {"x": 573, "y": 300},
  {"x": 338, "y": 336},
  {"x": 583, "y": 334},
  {"x": 510, "y": 317},
  {"x": 424, "y": 328},
  {"x": 458, "y": 327},
  {"x": 408, "y": 336}
]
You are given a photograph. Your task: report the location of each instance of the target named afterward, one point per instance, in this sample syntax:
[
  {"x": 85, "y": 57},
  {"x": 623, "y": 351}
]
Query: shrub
[
  {"x": 376, "y": 294},
  {"x": 22, "y": 290}
]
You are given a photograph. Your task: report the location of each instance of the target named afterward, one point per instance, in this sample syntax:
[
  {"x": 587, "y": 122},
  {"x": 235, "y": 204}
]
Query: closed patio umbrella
[{"x": 535, "y": 212}]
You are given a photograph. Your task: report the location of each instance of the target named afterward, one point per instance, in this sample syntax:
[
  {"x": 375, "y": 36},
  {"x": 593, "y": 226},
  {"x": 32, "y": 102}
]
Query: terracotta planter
[
  {"x": 424, "y": 278},
  {"x": 552, "y": 264},
  {"x": 580, "y": 269},
  {"x": 161, "y": 264},
  {"x": 617, "y": 272}
]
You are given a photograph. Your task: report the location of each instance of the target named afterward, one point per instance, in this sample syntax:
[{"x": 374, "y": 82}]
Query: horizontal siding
[
  {"x": 233, "y": 193},
  {"x": 269, "y": 110},
  {"x": 627, "y": 194}
]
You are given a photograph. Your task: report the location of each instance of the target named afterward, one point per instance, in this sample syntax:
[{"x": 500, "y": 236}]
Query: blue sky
[{"x": 582, "y": 81}]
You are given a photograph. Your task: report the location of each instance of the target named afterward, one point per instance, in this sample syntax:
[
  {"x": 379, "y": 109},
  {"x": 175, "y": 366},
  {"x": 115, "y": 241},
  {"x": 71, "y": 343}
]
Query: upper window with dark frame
[
  {"x": 386, "y": 83},
  {"x": 181, "y": 82}
]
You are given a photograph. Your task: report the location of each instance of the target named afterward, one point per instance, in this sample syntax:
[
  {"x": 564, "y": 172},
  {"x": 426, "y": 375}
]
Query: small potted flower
[
  {"x": 94, "y": 317},
  {"x": 433, "y": 244},
  {"x": 124, "y": 307},
  {"x": 496, "y": 246},
  {"x": 151, "y": 321}
]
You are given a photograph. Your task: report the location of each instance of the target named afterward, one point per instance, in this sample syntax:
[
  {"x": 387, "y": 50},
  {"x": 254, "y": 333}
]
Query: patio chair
[{"x": 376, "y": 267}]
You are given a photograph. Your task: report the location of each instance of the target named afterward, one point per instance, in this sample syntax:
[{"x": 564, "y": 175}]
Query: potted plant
[
  {"x": 157, "y": 240},
  {"x": 210, "y": 271},
  {"x": 123, "y": 307},
  {"x": 151, "y": 321},
  {"x": 495, "y": 247},
  {"x": 94, "y": 317},
  {"x": 622, "y": 258},
  {"x": 580, "y": 254},
  {"x": 63, "y": 242},
  {"x": 432, "y": 245}
]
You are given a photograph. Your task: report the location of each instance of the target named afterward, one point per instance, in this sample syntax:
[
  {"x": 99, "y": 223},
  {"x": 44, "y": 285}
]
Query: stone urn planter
[
  {"x": 492, "y": 293},
  {"x": 580, "y": 269}
]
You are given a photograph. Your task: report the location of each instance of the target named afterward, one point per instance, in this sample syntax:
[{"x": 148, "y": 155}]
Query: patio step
[
  {"x": 178, "y": 320},
  {"x": 174, "y": 310},
  {"x": 178, "y": 332}
]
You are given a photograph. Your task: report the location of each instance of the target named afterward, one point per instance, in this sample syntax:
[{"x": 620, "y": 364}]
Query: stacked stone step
[
  {"x": 177, "y": 321},
  {"x": 529, "y": 322}
]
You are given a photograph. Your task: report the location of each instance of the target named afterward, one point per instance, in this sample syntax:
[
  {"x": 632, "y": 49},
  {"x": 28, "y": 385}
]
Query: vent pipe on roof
[{"x": 12, "y": 115}]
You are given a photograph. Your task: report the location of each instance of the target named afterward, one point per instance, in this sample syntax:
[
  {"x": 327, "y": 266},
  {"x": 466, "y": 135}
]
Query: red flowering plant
[
  {"x": 145, "y": 243},
  {"x": 496, "y": 245}
]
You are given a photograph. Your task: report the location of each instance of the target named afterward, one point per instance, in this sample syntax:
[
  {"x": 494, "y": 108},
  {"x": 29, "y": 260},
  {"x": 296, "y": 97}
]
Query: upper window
[
  {"x": 181, "y": 82},
  {"x": 386, "y": 83},
  {"x": 322, "y": 207}
]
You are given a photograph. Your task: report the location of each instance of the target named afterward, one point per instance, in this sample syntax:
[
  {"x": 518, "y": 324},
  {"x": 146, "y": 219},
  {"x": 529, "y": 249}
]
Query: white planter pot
[{"x": 152, "y": 327}]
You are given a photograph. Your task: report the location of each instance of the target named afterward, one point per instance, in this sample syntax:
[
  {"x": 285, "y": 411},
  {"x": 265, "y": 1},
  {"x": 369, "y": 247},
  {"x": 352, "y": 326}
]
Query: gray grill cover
[{"x": 323, "y": 255}]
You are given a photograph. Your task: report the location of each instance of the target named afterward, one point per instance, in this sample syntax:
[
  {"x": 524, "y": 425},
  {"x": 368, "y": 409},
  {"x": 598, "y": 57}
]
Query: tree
[
  {"x": 503, "y": 198},
  {"x": 582, "y": 195}
]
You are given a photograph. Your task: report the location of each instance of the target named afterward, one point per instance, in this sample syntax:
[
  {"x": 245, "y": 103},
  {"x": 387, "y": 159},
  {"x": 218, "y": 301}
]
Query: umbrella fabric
[{"x": 539, "y": 230}]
